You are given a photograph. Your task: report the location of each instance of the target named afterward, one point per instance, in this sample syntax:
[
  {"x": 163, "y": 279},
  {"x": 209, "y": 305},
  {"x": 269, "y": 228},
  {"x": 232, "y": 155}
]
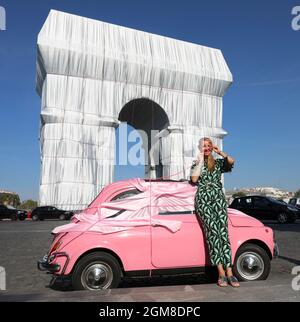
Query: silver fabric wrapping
[{"x": 88, "y": 70}]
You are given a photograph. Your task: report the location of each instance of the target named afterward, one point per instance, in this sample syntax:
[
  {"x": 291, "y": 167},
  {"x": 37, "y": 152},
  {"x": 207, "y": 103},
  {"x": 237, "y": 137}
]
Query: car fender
[
  {"x": 132, "y": 248},
  {"x": 262, "y": 236}
]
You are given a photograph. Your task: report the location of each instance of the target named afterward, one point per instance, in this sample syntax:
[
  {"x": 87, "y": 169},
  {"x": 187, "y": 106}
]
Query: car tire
[
  {"x": 88, "y": 271},
  {"x": 35, "y": 217},
  {"x": 69, "y": 215},
  {"x": 282, "y": 218},
  {"x": 62, "y": 217},
  {"x": 252, "y": 263},
  {"x": 291, "y": 220},
  {"x": 14, "y": 217}
]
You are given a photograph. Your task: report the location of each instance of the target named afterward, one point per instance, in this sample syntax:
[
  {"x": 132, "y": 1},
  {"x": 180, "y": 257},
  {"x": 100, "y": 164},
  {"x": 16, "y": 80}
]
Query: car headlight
[{"x": 56, "y": 246}]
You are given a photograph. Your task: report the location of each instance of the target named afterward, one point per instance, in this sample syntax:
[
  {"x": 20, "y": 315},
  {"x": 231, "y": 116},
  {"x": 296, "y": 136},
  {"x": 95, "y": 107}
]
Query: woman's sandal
[
  {"x": 233, "y": 281},
  {"x": 222, "y": 281}
]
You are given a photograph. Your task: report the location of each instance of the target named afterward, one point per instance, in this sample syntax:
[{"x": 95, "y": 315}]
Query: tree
[
  {"x": 28, "y": 204},
  {"x": 297, "y": 194},
  {"x": 239, "y": 194},
  {"x": 12, "y": 199}
]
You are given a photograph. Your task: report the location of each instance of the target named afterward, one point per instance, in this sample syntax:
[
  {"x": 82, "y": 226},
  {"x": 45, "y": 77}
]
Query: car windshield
[
  {"x": 276, "y": 200},
  {"x": 125, "y": 194}
]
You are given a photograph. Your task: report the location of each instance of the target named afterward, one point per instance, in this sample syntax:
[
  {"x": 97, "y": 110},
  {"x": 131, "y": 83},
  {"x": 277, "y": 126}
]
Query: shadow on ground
[{"x": 63, "y": 284}]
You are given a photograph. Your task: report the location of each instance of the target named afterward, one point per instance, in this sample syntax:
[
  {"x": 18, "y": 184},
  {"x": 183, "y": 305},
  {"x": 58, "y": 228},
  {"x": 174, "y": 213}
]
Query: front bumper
[{"x": 48, "y": 264}]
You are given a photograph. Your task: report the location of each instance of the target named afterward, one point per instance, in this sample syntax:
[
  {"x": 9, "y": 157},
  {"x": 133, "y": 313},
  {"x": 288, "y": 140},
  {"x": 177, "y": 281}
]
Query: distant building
[
  {"x": 265, "y": 191},
  {"x": 6, "y": 191}
]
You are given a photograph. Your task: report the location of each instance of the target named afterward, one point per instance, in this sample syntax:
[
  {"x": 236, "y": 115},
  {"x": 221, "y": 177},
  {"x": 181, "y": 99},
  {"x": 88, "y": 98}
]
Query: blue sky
[{"x": 261, "y": 109}]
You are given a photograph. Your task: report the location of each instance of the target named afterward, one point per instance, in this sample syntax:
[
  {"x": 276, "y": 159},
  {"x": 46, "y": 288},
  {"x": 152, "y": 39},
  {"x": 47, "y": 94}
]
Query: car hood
[
  {"x": 239, "y": 219},
  {"x": 293, "y": 208}
]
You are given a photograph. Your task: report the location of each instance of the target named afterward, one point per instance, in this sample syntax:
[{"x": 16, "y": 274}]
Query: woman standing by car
[{"x": 211, "y": 207}]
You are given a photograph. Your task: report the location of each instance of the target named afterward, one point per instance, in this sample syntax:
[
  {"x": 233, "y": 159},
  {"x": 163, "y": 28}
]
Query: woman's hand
[
  {"x": 224, "y": 155},
  {"x": 216, "y": 149},
  {"x": 200, "y": 157},
  {"x": 196, "y": 168}
]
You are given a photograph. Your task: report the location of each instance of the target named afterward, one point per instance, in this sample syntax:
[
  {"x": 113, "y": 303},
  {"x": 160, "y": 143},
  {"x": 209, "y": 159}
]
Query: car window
[
  {"x": 123, "y": 195},
  {"x": 126, "y": 194},
  {"x": 260, "y": 202},
  {"x": 244, "y": 202},
  {"x": 248, "y": 201},
  {"x": 173, "y": 205},
  {"x": 116, "y": 214},
  {"x": 293, "y": 201},
  {"x": 235, "y": 202}
]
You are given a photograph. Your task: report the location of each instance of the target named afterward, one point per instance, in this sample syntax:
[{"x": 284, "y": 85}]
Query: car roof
[
  {"x": 250, "y": 196},
  {"x": 139, "y": 184},
  {"x": 136, "y": 181},
  {"x": 148, "y": 180}
]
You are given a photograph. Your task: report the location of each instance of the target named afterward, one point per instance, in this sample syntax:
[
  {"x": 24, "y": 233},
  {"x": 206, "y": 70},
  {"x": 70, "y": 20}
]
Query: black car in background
[
  {"x": 49, "y": 212},
  {"x": 262, "y": 207},
  {"x": 7, "y": 212}
]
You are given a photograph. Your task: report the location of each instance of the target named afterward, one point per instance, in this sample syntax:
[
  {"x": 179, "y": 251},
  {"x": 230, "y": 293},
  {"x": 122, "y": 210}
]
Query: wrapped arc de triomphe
[{"x": 93, "y": 75}]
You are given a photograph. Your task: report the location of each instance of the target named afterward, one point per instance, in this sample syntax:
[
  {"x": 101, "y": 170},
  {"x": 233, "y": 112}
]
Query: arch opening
[{"x": 147, "y": 118}]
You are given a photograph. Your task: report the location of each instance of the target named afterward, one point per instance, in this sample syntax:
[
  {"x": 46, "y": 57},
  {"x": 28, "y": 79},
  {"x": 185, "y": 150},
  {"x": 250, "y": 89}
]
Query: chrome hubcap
[
  {"x": 250, "y": 266},
  {"x": 282, "y": 218},
  {"x": 97, "y": 276}
]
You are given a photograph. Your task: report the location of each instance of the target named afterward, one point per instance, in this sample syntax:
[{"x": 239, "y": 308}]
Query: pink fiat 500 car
[{"x": 142, "y": 227}]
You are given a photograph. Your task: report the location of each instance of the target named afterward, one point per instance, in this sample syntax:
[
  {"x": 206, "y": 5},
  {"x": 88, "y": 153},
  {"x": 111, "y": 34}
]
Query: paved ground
[{"x": 23, "y": 243}]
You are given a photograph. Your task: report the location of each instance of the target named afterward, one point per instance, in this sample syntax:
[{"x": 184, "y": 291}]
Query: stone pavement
[
  {"x": 273, "y": 289},
  {"x": 23, "y": 243}
]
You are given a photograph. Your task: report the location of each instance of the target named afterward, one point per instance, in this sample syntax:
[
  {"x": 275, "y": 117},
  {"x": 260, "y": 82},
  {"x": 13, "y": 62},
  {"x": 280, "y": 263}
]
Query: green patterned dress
[{"x": 211, "y": 209}]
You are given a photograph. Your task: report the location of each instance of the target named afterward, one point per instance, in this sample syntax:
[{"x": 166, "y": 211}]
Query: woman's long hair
[{"x": 210, "y": 160}]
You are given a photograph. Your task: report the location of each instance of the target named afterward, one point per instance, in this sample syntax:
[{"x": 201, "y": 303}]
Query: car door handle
[{"x": 155, "y": 225}]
